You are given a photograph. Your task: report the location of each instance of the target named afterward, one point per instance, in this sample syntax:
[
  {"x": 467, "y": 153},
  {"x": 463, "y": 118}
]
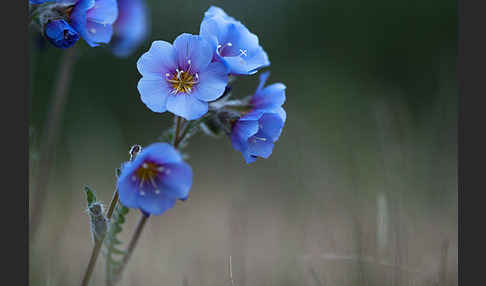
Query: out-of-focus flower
[
  {"x": 180, "y": 77},
  {"x": 260, "y": 126},
  {"x": 232, "y": 43},
  {"x": 131, "y": 27},
  {"x": 60, "y": 34},
  {"x": 93, "y": 20},
  {"x": 155, "y": 179}
]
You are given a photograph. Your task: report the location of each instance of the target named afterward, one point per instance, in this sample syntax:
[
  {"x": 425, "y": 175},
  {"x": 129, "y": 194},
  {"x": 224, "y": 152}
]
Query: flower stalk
[{"x": 48, "y": 144}]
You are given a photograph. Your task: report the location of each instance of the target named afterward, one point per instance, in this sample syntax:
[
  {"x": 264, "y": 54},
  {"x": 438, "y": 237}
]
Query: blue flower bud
[{"x": 61, "y": 34}]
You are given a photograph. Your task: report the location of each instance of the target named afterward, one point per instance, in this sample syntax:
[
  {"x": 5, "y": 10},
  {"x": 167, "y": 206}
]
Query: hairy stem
[
  {"x": 48, "y": 143},
  {"x": 97, "y": 248}
]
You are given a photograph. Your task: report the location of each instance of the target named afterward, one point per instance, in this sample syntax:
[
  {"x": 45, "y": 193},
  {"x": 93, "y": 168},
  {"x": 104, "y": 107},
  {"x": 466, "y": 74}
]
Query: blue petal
[
  {"x": 272, "y": 96},
  {"x": 61, "y": 34},
  {"x": 244, "y": 56},
  {"x": 212, "y": 82},
  {"x": 127, "y": 190},
  {"x": 154, "y": 92},
  {"x": 160, "y": 152},
  {"x": 262, "y": 80},
  {"x": 96, "y": 33},
  {"x": 186, "y": 106},
  {"x": 271, "y": 125},
  {"x": 216, "y": 11},
  {"x": 131, "y": 27},
  {"x": 261, "y": 147},
  {"x": 213, "y": 30},
  {"x": 159, "y": 59},
  {"x": 103, "y": 12},
  {"x": 176, "y": 180},
  {"x": 155, "y": 204},
  {"x": 248, "y": 157},
  {"x": 242, "y": 130},
  {"x": 194, "y": 51}
]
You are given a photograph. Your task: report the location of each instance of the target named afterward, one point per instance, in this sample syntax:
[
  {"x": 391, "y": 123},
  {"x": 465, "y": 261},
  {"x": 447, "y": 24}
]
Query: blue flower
[
  {"x": 155, "y": 179},
  {"x": 180, "y": 77},
  {"x": 255, "y": 133},
  {"x": 60, "y": 34},
  {"x": 232, "y": 43},
  {"x": 131, "y": 27},
  {"x": 93, "y": 20}
]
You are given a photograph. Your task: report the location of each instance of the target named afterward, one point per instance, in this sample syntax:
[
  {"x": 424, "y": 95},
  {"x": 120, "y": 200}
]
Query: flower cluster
[
  {"x": 63, "y": 22},
  {"x": 190, "y": 78}
]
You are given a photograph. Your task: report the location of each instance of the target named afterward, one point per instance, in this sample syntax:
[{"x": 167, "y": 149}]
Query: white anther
[
  {"x": 167, "y": 74},
  {"x": 260, "y": 138},
  {"x": 145, "y": 165},
  {"x": 229, "y": 44},
  {"x": 219, "y": 47},
  {"x": 92, "y": 30},
  {"x": 160, "y": 169},
  {"x": 142, "y": 193},
  {"x": 189, "y": 61},
  {"x": 134, "y": 178},
  {"x": 157, "y": 191}
]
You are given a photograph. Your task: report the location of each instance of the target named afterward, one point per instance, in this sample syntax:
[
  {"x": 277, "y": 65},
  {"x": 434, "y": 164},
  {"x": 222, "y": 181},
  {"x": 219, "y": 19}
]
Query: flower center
[
  {"x": 226, "y": 50},
  {"x": 147, "y": 172},
  {"x": 182, "y": 81}
]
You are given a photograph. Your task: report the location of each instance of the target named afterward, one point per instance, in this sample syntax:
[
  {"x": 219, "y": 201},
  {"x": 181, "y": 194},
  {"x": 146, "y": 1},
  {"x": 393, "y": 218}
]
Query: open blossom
[
  {"x": 60, "y": 34},
  {"x": 232, "y": 43},
  {"x": 155, "y": 179},
  {"x": 180, "y": 77},
  {"x": 255, "y": 133},
  {"x": 131, "y": 27}
]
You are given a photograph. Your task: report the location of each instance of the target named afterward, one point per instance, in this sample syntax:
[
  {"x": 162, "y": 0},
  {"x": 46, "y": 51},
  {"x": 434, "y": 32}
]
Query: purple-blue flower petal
[
  {"x": 212, "y": 82},
  {"x": 60, "y": 34},
  {"x": 159, "y": 59},
  {"x": 96, "y": 33},
  {"x": 155, "y": 204},
  {"x": 216, "y": 11},
  {"x": 271, "y": 125},
  {"x": 103, "y": 12},
  {"x": 272, "y": 96},
  {"x": 154, "y": 91},
  {"x": 260, "y": 146},
  {"x": 131, "y": 27},
  {"x": 186, "y": 106},
  {"x": 192, "y": 50},
  {"x": 177, "y": 180}
]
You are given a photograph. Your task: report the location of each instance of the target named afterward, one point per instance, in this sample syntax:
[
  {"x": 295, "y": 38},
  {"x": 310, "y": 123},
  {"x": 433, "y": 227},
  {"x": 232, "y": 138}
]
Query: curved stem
[
  {"x": 49, "y": 140},
  {"x": 97, "y": 248}
]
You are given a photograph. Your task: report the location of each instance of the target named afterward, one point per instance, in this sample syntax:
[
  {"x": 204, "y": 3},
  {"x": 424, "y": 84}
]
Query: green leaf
[{"x": 90, "y": 195}]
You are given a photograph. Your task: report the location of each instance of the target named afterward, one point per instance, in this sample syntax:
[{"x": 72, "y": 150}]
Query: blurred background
[{"x": 361, "y": 188}]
